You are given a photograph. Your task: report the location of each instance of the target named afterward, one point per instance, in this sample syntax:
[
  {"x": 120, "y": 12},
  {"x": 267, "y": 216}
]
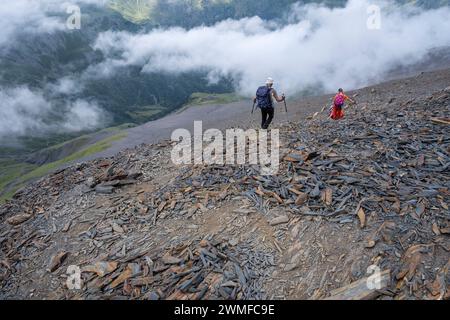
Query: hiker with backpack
[
  {"x": 337, "y": 109},
  {"x": 264, "y": 99}
]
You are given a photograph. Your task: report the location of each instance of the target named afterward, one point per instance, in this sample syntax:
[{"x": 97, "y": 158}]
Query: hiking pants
[
  {"x": 267, "y": 117},
  {"x": 337, "y": 113}
]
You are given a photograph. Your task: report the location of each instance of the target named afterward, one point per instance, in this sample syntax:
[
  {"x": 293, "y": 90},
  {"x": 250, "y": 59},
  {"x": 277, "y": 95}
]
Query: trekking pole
[
  {"x": 285, "y": 105},
  {"x": 253, "y": 108}
]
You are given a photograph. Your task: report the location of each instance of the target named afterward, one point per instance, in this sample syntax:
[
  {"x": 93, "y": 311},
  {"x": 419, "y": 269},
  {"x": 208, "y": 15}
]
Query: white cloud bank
[
  {"x": 27, "y": 112},
  {"x": 30, "y": 112},
  {"x": 321, "y": 46}
]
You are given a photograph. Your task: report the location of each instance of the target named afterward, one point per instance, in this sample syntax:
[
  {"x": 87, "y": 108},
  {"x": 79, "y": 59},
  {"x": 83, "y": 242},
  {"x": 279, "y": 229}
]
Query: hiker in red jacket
[{"x": 337, "y": 111}]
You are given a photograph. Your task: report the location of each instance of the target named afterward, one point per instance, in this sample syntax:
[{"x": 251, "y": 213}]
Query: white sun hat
[{"x": 269, "y": 81}]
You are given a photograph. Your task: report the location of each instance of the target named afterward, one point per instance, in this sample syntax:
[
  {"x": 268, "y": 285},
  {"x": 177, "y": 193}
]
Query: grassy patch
[
  {"x": 5, "y": 163},
  {"x": 19, "y": 174},
  {"x": 10, "y": 193},
  {"x": 30, "y": 144},
  {"x": 119, "y": 128},
  {"x": 144, "y": 114},
  {"x": 90, "y": 150},
  {"x": 10, "y": 172},
  {"x": 136, "y": 11},
  {"x": 80, "y": 141},
  {"x": 200, "y": 98}
]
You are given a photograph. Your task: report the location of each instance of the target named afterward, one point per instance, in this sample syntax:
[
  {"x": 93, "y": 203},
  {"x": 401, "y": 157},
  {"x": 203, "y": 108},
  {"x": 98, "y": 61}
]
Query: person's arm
[
  {"x": 349, "y": 99},
  {"x": 277, "y": 98}
]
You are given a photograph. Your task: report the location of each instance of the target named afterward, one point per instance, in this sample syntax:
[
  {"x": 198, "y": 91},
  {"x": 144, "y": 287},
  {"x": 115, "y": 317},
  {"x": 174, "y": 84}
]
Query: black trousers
[{"x": 267, "y": 117}]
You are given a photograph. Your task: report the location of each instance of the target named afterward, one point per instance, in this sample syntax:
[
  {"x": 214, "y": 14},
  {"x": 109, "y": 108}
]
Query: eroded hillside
[{"x": 370, "y": 191}]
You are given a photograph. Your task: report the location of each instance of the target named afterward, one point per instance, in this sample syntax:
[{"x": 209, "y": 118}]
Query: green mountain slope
[{"x": 136, "y": 11}]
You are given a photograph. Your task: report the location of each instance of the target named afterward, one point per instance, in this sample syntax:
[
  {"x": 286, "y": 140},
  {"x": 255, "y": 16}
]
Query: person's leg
[
  {"x": 271, "y": 113},
  {"x": 264, "y": 117},
  {"x": 340, "y": 114}
]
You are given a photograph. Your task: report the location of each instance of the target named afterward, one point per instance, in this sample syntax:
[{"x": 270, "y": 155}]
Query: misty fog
[
  {"x": 321, "y": 47},
  {"x": 315, "y": 47}
]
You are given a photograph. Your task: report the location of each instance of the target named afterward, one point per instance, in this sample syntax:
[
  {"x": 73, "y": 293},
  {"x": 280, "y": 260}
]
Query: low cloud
[
  {"x": 82, "y": 115},
  {"x": 65, "y": 86},
  {"x": 52, "y": 109},
  {"x": 25, "y": 112},
  {"x": 321, "y": 47}
]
